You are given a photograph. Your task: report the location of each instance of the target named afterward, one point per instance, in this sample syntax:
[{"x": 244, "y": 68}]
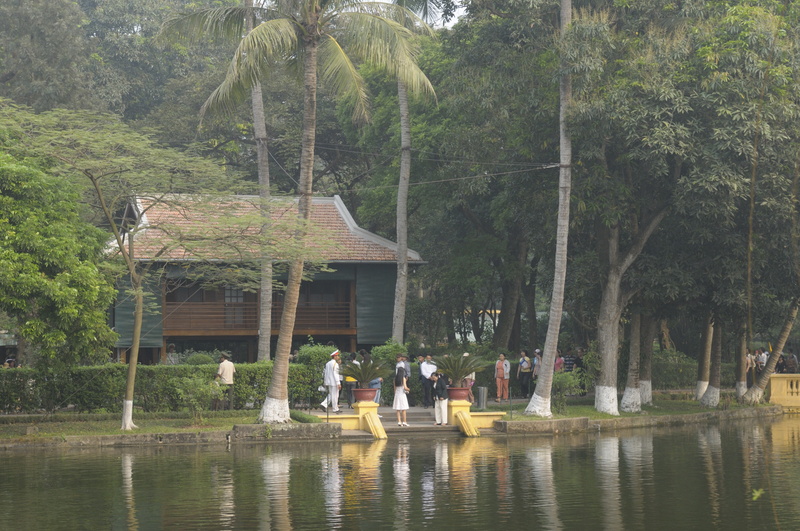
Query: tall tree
[{"x": 322, "y": 37}]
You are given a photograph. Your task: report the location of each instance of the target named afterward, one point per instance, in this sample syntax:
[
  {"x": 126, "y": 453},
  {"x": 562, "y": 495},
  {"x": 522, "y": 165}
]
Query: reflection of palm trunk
[
  {"x": 222, "y": 479},
  {"x": 402, "y": 487},
  {"x": 275, "y": 507},
  {"x": 540, "y": 459},
  {"x": 607, "y": 464},
  {"x": 127, "y": 489},
  {"x": 710, "y": 445}
]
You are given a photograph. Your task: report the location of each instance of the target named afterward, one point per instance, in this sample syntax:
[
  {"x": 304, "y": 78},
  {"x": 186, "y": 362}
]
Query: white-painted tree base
[
  {"x": 539, "y": 406},
  {"x": 631, "y": 400},
  {"x": 700, "y": 389},
  {"x": 711, "y": 397},
  {"x": 274, "y": 411},
  {"x": 646, "y": 391},
  {"x": 741, "y": 389},
  {"x": 753, "y": 396},
  {"x": 127, "y": 416},
  {"x": 605, "y": 399}
]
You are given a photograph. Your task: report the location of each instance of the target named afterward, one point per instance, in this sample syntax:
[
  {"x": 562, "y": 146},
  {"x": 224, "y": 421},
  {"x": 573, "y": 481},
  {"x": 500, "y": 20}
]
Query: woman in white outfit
[{"x": 400, "y": 399}]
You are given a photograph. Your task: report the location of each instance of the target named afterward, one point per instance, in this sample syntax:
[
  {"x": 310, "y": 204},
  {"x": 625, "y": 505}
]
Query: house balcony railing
[{"x": 244, "y": 316}]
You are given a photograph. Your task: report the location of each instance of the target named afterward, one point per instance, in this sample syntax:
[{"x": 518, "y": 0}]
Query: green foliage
[
  {"x": 388, "y": 352},
  {"x": 366, "y": 371},
  {"x": 160, "y": 388},
  {"x": 200, "y": 358},
  {"x": 50, "y": 281},
  {"x": 196, "y": 394},
  {"x": 458, "y": 367},
  {"x": 315, "y": 355},
  {"x": 564, "y": 384},
  {"x": 305, "y": 418}
]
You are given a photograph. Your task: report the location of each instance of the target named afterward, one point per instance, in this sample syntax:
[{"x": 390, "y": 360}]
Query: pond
[{"x": 735, "y": 475}]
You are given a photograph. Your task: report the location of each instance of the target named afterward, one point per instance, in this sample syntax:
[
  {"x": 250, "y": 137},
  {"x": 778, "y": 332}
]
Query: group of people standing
[
  {"x": 756, "y": 362},
  {"x": 434, "y": 389},
  {"x": 529, "y": 368}
]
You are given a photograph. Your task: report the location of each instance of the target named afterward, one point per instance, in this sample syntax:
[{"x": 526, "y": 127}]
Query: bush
[
  {"x": 388, "y": 352},
  {"x": 201, "y": 358},
  {"x": 564, "y": 384}
]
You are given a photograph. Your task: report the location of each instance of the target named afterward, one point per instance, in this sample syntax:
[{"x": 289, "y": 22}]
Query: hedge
[{"x": 101, "y": 388}]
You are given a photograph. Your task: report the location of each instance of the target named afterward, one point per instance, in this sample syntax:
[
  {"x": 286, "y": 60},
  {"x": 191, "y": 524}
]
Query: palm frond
[
  {"x": 385, "y": 44},
  {"x": 270, "y": 41},
  {"x": 215, "y": 23},
  {"x": 337, "y": 71}
]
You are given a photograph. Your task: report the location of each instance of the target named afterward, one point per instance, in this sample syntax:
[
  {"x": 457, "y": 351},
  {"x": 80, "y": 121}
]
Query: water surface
[{"x": 735, "y": 475}]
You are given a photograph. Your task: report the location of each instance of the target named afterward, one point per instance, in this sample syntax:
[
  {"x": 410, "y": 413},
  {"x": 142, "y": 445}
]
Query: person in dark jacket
[{"x": 439, "y": 395}]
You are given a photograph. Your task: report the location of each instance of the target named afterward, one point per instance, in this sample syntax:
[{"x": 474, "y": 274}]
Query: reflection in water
[
  {"x": 607, "y": 467},
  {"x": 222, "y": 483},
  {"x": 402, "y": 486},
  {"x": 127, "y": 491},
  {"x": 673, "y": 478},
  {"x": 540, "y": 459},
  {"x": 637, "y": 452},
  {"x": 274, "y": 507}
]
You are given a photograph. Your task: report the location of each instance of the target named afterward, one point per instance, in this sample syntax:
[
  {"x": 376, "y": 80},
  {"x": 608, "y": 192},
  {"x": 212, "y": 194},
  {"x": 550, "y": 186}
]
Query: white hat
[
  {"x": 537, "y": 350},
  {"x": 334, "y": 353},
  {"x": 465, "y": 354}
]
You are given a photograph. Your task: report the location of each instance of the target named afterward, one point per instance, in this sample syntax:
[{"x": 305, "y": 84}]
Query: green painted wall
[
  {"x": 375, "y": 302},
  {"x": 152, "y": 330}
]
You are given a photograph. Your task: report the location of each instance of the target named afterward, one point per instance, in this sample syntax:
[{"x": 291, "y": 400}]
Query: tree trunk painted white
[
  {"x": 127, "y": 415},
  {"x": 700, "y": 389},
  {"x": 608, "y": 343},
  {"x": 539, "y": 406},
  {"x": 741, "y": 389},
  {"x": 710, "y": 397},
  {"x": 278, "y": 387},
  {"x": 274, "y": 411},
  {"x": 631, "y": 400},
  {"x": 605, "y": 399},
  {"x": 646, "y": 391},
  {"x": 401, "y": 284}
]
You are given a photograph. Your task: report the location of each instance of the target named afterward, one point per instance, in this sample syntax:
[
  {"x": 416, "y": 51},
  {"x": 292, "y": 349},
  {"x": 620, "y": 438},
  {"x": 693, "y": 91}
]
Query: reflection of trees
[
  {"x": 607, "y": 467},
  {"x": 274, "y": 510},
  {"x": 541, "y": 463},
  {"x": 637, "y": 451},
  {"x": 127, "y": 491},
  {"x": 222, "y": 483}
]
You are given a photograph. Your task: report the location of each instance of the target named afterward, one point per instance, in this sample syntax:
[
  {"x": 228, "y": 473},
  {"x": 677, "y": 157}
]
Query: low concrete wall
[
  {"x": 251, "y": 432},
  {"x": 555, "y": 426}
]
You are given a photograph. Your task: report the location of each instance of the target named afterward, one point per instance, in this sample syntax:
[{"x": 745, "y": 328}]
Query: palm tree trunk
[
  {"x": 540, "y": 400},
  {"x": 741, "y": 364},
  {"x": 276, "y": 404},
  {"x": 755, "y": 394},
  {"x": 262, "y": 157},
  {"x": 401, "y": 285}
]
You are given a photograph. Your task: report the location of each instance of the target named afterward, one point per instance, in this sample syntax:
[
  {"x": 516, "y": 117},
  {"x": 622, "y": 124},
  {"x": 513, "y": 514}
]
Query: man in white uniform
[{"x": 331, "y": 381}]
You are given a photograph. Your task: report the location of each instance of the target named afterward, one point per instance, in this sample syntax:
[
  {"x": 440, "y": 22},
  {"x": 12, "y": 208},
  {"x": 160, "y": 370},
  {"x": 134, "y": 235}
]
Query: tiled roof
[{"x": 183, "y": 227}]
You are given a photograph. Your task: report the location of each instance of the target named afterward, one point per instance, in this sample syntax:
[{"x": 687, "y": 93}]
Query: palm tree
[
  {"x": 540, "y": 400},
  {"x": 426, "y": 9},
  {"x": 321, "y": 37}
]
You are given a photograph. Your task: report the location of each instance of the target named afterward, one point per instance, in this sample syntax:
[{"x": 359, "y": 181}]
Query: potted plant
[
  {"x": 364, "y": 373},
  {"x": 456, "y": 368}
]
